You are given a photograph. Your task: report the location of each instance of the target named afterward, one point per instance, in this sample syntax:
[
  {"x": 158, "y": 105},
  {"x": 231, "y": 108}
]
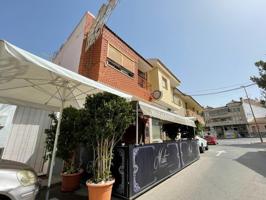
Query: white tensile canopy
[
  {"x": 26, "y": 79},
  {"x": 153, "y": 111}
]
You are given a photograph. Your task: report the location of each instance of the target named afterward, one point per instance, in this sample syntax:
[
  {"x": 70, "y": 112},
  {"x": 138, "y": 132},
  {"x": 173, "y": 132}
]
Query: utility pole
[{"x": 258, "y": 130}]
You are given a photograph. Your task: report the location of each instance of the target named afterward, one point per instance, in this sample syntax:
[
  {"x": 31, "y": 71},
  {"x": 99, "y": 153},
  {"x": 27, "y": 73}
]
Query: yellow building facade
[{"x": 163, "y": 80}]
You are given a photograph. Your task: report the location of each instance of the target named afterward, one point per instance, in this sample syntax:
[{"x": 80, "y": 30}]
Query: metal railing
[{"x": 143, "y": 83}]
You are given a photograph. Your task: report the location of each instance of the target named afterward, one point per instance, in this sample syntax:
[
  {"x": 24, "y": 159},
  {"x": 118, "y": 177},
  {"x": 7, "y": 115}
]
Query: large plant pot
[
  {"x": 100, "y": 191},
  {"x": 70, "y": 182}
]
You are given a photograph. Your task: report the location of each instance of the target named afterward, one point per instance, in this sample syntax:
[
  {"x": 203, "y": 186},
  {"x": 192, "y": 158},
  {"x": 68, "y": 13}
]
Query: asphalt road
[{"x": 235, "y": 169}]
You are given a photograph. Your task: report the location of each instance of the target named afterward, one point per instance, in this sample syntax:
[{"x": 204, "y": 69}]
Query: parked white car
[
  {"x": 203, "y": 145},
  {"x": 17, "y": 181}
]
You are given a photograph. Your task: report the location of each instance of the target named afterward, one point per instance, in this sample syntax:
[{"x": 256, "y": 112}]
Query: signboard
[
  {"x": 97, "y": 25},
  {"x": 152, "y": 163}
]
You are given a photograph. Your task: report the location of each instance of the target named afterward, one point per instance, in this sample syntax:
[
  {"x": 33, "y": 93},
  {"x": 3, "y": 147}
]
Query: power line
[
  {"x": 223, "y": 91},
  {"x": 224, "y": 87}
]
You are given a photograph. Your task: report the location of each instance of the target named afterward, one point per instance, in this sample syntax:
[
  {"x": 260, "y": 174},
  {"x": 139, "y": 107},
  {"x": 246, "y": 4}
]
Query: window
[
  {"x": 156, "y": 130},
  {"x": 115, "y": 55},
  {"x": 142, "y": 79},
  {"x": 120, "y": 61},
  {"x": 119, "y": 67},
  {"x": 176, "y": 100},
  {"x": 164, "y": 83}
]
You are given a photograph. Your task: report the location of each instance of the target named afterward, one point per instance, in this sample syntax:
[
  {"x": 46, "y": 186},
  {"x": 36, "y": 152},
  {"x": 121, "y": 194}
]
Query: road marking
[
  {"x": 261, "y": 149},
  {"x": 220, "y": 152}
]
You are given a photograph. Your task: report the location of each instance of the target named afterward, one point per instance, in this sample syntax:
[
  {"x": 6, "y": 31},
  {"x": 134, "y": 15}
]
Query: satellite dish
[{"x": 156, "y": 94}]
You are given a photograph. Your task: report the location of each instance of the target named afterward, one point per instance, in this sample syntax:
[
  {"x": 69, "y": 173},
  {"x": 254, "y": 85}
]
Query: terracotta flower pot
[
  {"x": 100, "y": 191},
  {"x": 70, "y": 182}
]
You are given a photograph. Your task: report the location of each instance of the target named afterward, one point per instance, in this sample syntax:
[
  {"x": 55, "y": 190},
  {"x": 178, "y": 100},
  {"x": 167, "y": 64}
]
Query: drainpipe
[{"x": 137, "y": 123}]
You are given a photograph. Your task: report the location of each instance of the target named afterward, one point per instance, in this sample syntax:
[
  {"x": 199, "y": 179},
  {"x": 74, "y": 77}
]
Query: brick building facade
[{"x": 109, "y": 60}]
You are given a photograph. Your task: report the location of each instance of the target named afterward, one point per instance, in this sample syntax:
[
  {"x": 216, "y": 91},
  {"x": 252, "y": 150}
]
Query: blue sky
[{"x": 208, "y": 44}]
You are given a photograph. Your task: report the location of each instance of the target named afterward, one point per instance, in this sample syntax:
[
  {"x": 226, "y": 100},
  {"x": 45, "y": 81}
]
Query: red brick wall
[
  {"x": 93, "y": 65},
  {"x": 89, "y": 65}
]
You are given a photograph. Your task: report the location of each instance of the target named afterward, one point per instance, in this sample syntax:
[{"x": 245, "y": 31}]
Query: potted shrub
[
  {"x": 68, "y": 143},
  {"x": 103, "y": 122}
]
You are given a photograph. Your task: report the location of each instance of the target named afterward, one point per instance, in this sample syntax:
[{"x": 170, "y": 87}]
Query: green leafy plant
[
  {"x": 199, "y": 128},
  {"x": 103, "y": 122},
  {"x": 261, "y": 79},
  {"x": 68, "y": 139}
]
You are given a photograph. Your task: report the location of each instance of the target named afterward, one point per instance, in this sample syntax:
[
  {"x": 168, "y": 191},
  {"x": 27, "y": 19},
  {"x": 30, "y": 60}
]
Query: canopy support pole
[
  {"x": 137, "y": 123},
  {"x": 55, "y": 144}
]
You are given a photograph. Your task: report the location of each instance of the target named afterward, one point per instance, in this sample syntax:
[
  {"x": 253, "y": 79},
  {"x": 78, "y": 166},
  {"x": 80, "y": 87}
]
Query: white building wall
[
  {"x": 6, "y": 116},
  {"x": 69, "y": 54},
  {"x": 259, "y": 111},
  {"x": 26, "y": 141}
]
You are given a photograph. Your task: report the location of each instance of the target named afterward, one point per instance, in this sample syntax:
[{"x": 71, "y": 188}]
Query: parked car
[
  {"x": 211, "y": 139},
  {"x": 203, "y": 145},
  {"x": 18, "y": 181}
]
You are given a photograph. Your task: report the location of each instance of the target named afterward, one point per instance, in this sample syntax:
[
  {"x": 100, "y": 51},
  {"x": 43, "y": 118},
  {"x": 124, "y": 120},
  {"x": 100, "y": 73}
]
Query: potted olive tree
[
  {"x": 103, "y": 122},
  {"x": 68, "y": 143}
]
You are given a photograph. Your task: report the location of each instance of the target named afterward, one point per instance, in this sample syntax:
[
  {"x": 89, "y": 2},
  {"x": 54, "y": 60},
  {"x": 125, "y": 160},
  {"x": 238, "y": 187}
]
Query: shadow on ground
[
  {"x": 55, "y": 194},
  {"x": 256, "y": 161}
]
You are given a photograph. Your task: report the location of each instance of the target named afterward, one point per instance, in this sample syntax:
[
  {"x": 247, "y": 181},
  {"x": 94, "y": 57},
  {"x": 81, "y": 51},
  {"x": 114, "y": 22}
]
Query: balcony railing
[
  {"x": 191, "y": 113},
  {"x": 143, "y": 83}
]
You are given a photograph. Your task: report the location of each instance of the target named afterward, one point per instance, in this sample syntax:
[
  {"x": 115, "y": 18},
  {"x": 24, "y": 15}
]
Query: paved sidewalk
[{"x": 55, "y": 194}]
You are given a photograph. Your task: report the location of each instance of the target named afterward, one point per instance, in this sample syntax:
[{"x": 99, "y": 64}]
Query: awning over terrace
[
  {"x": 25, "y": 77},
  {"x": 30, "y": 80},
  {"x": 155, "y": 112}
]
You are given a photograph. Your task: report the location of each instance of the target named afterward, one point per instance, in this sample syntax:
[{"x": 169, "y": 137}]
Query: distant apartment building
[{"x": 235, "y": 119}]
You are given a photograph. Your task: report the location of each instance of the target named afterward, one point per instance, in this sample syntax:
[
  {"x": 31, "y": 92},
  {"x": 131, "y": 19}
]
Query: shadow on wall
[{"x": 254, "y": 161}]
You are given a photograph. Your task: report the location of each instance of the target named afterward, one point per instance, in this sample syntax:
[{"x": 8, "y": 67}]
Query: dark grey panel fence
[{"x": 138, "y": 168}]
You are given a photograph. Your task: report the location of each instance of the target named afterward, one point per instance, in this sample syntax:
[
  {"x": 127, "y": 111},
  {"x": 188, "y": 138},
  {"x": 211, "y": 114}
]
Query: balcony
[
  {"x": 191, "y": 113},
  {"x": 143, "y": 83}
]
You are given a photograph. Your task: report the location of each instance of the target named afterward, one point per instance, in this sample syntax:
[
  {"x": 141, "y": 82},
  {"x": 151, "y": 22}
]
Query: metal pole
[
  {"x": 137, "y": 123},
  {"x": 55, "y": 144},
  {"x": 258, "y": 130}
]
